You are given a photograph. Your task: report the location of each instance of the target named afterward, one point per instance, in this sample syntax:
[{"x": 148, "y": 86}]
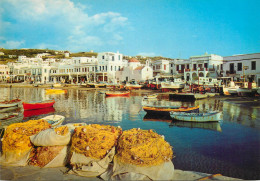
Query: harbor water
[{"x": 230, "y": 147}]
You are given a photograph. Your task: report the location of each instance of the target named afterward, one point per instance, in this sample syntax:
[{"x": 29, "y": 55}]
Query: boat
[
  {"x": 151, "y": 96},
  {"x": 36, "y": 112},
  {"x": 196, "y": 117},
  {"x": 55, "y": 120},
  {"x": 11, "y": 103},
  {"x": 10, "y": 119},
  {"x": 55, "y": 91},
  {"x": 215, "y": 126},
  {"x": 38, "y": 104},
  {"x": 117, "y": 93},
  {"x": 133, "y": 85},
  {"x": 57, "y": 85},
  {"x": 242, "y": 91},
  {"x": 177, "y": 84},
  {"x": 165, "y": 110}
]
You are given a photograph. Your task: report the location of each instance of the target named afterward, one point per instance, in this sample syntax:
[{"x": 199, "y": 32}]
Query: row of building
[{"x": 112, "y": 67}]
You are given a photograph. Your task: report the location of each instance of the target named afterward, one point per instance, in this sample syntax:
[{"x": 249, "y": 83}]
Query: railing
[{"x": 180, "y": 71}]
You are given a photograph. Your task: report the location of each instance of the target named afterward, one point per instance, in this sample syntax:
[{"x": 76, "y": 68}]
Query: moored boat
[
  {"x": 151, "y": 96},
  {"x": 177, "y": 84},
  {"x": 55, "y": 120},
  {"x": 166, "y": 110},
  {"x": 196, "y": 117},
  {"x": 11, "y": 103},
  {"x": 36, "y": 112},
  {"x": 246, "y": 92},
  {"x": 38, "y": 105},
  {"x": 117, "y": 93},
  {"x": 55, "y": 91}
]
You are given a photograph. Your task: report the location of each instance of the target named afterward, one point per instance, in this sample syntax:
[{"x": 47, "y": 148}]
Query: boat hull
[
  {"x": 167, "y": 110},
  {"x": 55, "y": 91},
  {"x": 54, "y": 120},
  {"x": 8, "y": 105},
  {"x": 40, "y": 105},
  {"x": 197, "y": 117},
  {"x": 111, "y": 94},
  {"x": 244, "y": 92}
]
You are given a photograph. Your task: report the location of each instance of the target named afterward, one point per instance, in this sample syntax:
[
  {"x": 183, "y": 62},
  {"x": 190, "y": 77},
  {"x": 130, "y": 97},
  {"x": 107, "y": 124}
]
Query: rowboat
[
  {"x": 11, "y": 103},
  {"x": 55, "y": 120},
  {"x": 196, "y": 117},
  {"x": 36, "y": 112},
  {"x": 115, "y": 93},
  {"x": 55, "y": 91},
  {"x": 38, "y": 105},
  {"x": 166, "y": 110}
]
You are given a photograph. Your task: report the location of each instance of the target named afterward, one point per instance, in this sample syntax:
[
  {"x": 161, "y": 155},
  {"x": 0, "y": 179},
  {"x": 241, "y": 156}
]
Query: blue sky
[{"x": 169, "y": 28}]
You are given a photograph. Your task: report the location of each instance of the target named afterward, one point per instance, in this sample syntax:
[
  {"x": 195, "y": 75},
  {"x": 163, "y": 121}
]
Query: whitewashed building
[
  {"x": 238, "y": 66},
  {"x": 108, "y": 64},
  {"x": 4, "y": 72},
  {"x": 161, "y": 67},
  {"x": 135, "y": 71},
  {"x": 207, "y": 65}
]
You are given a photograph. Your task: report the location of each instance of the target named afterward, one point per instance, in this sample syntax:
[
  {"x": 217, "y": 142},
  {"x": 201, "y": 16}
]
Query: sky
[{"x": 168, "y": 28}]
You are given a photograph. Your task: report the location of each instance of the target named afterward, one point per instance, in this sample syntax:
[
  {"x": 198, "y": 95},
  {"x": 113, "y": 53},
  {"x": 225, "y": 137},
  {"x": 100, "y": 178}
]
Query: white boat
[
  {"x": 10, "y": 119},
  {"x": 207, "y": 81},
  {"x": 11, "y": 103},
  {"x": 176, "y": 84},
  {"x": 54, "y": 120},
  {"x": 197, "y": 117},
  {"x": 151, "y": 96},
  {"x": 246, "y": 92}
]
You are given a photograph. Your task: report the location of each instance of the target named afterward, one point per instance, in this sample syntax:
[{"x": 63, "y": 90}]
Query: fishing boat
[
  {"x": 151, "y": 96},
  {"x": 38, "y": 104},
  {"x": 55, "y": 91},
  {"x": 177, "y": 84},
  {"x": 158, "y": 118},
  {"x": 55, "y": 120},
  {"x": 11, "y": 103},
  {"x": 242, "y": 91},
  {"x": 117, "y": 93},
  {"x": 196, "y": 117},
  {"x": 165, "y": 110}
]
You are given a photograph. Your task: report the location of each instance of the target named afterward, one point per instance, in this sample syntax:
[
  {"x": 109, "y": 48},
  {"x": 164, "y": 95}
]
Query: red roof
[
  {"x": 133, "y": 60},
  {"x": 139, "y": 68}
]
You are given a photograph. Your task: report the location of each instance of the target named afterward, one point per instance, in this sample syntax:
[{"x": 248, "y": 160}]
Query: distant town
[{"x": 50, "y": 66}]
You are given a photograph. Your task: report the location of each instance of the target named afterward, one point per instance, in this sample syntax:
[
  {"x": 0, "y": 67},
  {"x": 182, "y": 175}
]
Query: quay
[{"x": 60, "y": 173}]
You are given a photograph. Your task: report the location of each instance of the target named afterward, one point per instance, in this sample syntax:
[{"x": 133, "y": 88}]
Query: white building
[
  {"x": 161, "y": 67},
  {"x": 237, "y": 66},
  {"x": 108, "y": 64},
  {"x": 4, "y": 72},
  {"x": 207, "y": 65},
  {"x": 177, "y": 67},
  {"x": 135, "y": 71}
]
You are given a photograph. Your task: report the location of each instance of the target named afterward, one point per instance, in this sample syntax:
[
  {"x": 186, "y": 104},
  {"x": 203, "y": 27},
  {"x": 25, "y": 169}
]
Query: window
[
  {"x": 45, "y": 70},
  {"x": 113, "y": 58},
  {"x": 103, "y": 57},
  {"x": 188, "y": 66},
  {"x": 171, "y": 65},
  {"x": 118, "y": 57},
  {"x": 253, "y": 65},
  {"x": 194, "y": 67},
  {"x": 111, "y": 67},
  {"x": 205, "y": 65},
  {"x": 239, "y": 66},
  {"x": 164, "y": 67}
]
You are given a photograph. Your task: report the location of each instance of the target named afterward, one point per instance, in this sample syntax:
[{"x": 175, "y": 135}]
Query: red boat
[
  {"x": 38, "y": 105},
  {"x": 117, "y": 93},
  {"x": 36, "y": 112}
]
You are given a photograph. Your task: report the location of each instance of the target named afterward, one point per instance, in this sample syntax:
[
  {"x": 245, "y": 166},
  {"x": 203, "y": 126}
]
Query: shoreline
[{"x": 60, "y": 173}]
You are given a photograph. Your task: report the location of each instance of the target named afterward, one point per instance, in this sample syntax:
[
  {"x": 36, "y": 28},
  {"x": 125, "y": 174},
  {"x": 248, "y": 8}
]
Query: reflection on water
[
  {"x": 232, "y": 149},
  {"x": 215, "y": 126}
]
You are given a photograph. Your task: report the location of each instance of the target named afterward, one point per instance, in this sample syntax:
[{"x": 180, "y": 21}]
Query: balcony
[
  {"x": 187, "y": 70},
  {"x": 212, "y": 69},
  {"x": 180, "y": 71}
]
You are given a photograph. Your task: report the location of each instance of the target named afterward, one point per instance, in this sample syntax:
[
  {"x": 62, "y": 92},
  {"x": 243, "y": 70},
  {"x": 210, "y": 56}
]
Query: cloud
[
  {"x": 61, "y": 21},
  {"x": 148, "y": 54},
  {"x": 10, "y": 44}
]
